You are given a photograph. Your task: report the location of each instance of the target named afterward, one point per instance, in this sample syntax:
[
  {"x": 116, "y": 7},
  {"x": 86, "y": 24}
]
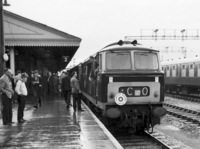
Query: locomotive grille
[{"x": 133, "y": 79}]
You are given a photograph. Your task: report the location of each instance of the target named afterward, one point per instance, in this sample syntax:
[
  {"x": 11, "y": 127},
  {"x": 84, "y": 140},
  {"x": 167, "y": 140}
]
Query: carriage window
[
  {"x": 167, "y": 67},
  {"x": 174, "y": 67},
  {"x": 145, "y": 60},
  {"x": 183, "y": 66},
  {"x": 191, "y": 66},
  {"x": 118, "y": 60}
]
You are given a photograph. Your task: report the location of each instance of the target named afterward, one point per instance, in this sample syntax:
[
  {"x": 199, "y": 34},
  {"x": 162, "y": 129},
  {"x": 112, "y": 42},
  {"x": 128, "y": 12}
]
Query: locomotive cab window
[
  {"x": 118, "y": 60},
  {"x": 145, "y": 60}
]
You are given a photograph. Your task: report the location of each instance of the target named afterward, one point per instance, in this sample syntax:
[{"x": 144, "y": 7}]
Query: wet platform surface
[{"x": 54, "y": 126}]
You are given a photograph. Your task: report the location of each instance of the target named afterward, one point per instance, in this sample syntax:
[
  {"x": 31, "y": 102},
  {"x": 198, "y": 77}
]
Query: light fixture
[
  {"x": 6, "y": 3},
  {"x": 5, "y": 57}
]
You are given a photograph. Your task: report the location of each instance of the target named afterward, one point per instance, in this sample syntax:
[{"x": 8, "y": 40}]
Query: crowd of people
[{"x": 16, "y": 88}]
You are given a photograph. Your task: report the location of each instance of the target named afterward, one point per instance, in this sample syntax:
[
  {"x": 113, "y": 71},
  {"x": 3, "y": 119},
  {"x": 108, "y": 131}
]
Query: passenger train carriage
[
  {"x": 124, "y": 82},
  {"x": 182, "y": 77}
]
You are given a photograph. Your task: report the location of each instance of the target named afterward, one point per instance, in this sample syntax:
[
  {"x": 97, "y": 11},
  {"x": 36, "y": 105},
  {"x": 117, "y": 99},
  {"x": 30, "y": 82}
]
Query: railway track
[
  {"x": 155, "y": 140},
  {"x": 184, "y": 97},
  {"x": 137, "y": 142},
  {"x": 190, "y": 116}
]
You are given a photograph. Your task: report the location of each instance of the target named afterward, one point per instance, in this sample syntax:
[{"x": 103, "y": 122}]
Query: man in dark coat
[
  {"x": 66, "y": 89},
  {"x": 36, "y": 81},
  {"x": 7, "y": 93}
]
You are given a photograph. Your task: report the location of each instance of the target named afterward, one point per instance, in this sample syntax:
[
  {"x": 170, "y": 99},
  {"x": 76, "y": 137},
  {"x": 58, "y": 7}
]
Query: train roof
[
  {"x": 126, "y": 45},
  {"x": 181, "y": 61}
]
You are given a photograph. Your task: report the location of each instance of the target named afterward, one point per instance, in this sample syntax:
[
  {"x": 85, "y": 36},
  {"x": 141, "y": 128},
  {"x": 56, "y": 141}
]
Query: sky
[{"x": 101, "y": 22}]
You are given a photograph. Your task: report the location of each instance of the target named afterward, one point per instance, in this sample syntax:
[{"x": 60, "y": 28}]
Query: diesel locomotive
[{"x": 124, "y": 83}]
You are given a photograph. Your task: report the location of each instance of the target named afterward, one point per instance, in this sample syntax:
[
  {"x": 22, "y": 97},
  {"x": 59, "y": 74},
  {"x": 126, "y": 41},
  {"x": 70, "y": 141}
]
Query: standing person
[
  {"x": 16, "y": 78},
  {"x": 22, "y": 92},
  {"x": 75, "y": 91},
  {"x": 55, "y": 83},
  {"x": 66, "y": 89},
  {"x": 37, "y": 88},
  {"x": 50, "y": 83},
  {"x": 7, "y": 93}
]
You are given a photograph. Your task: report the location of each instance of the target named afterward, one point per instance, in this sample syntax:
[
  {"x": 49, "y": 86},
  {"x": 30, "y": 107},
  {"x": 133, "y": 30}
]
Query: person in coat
[
  {"x": 37, "y": 88},
  {"x": 75, "y": 88},
  {"x": 66, "y": 89},
  {"x": 7, "y": 94}
]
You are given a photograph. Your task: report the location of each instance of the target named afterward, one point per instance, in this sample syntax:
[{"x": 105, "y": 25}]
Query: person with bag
[
  {"x": 7, "y": 93},
  {"x": 76, "y": 91},
  {"x": 22, "y": 92}
]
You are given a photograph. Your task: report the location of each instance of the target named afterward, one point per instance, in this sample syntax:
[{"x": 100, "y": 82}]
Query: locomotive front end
[{"x": 135, "y": 88}]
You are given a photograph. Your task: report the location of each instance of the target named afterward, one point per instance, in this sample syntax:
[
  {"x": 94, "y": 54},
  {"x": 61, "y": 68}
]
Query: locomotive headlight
[
  {"x": 155, "y": 94},
  {"x": 120, "y": 99}
]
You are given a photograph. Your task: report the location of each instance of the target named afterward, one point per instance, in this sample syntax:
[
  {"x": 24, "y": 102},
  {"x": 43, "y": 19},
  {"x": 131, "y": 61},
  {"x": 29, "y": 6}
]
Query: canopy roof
[{"x": 20, "y": 31}]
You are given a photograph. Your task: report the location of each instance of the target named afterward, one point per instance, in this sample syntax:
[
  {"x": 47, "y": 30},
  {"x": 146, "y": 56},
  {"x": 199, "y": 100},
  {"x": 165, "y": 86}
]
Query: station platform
[{"x": 52, "y": 126}]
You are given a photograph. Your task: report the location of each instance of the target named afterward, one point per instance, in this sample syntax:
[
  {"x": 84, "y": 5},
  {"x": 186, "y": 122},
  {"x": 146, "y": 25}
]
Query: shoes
[
  {"x": 35, "y": 107},
  {"x": 22, "y": 121},
  {"x": 81, "y": 110},
  {"x": 10, "y": 123}
]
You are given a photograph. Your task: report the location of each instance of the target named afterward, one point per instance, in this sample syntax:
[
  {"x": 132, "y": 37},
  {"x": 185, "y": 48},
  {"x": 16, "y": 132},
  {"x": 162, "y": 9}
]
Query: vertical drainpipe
[{"x": 2, "y": 62}]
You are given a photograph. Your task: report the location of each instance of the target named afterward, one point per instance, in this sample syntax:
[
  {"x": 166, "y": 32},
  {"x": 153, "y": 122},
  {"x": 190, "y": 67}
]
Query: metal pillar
[
  {"x": 2, "y": 62},
  {"x": 12, "y": 60}
]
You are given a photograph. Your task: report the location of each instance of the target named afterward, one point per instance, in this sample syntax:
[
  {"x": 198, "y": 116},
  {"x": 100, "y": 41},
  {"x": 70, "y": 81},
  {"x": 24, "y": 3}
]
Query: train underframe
[
  {"x": 185, "y": 90},
  {"x": 135, "y": 117}
]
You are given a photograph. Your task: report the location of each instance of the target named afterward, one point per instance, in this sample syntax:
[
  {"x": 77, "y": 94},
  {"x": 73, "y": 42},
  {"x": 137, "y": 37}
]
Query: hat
[
  {"x": 36, "y": 71},
  {"x": 24, "y": 75},
  {"x": 65, "y": 72}
]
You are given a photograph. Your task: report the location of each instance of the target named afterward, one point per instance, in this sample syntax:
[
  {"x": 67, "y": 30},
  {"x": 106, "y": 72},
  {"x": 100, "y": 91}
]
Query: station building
[{"x": 32, "y": 45}]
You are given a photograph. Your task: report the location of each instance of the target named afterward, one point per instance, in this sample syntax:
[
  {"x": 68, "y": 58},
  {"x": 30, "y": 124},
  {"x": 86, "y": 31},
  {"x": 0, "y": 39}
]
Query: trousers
[{"x": 6, "y": 109}]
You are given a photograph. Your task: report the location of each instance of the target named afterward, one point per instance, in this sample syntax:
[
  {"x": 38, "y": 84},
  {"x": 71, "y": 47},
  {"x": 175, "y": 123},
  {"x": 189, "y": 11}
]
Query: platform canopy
[
  {"x": 20, "y": 31},
  {"x": 39, "y": 41}
]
